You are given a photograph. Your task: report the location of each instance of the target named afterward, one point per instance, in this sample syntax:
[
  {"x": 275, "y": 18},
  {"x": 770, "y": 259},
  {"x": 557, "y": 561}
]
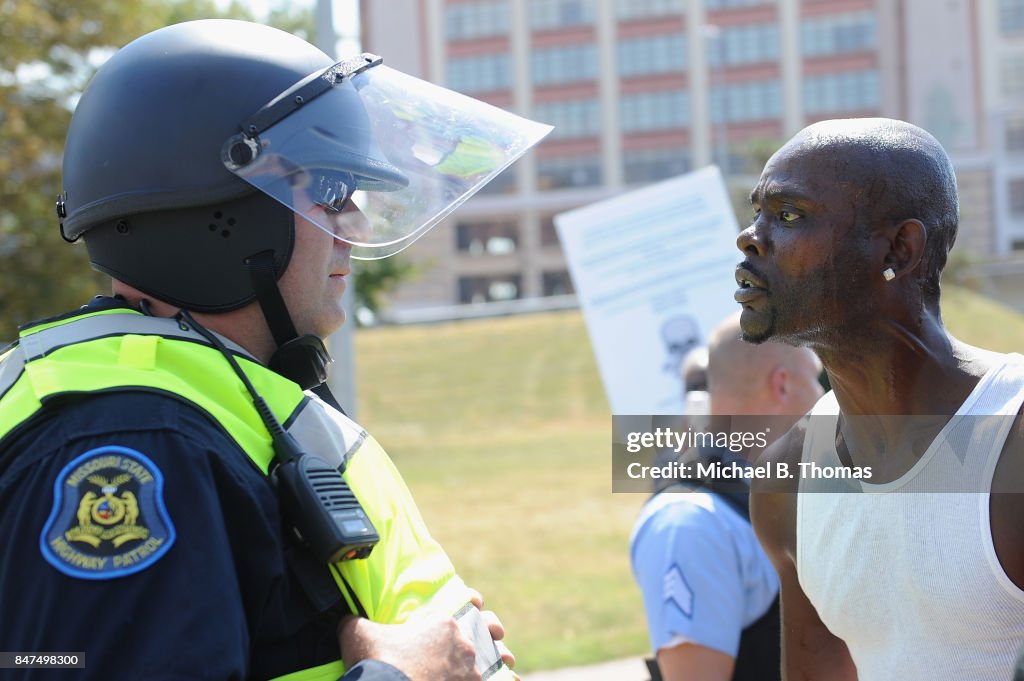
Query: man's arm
[
  {"x": 685, "y": 562},
  {"x": 809, "y": 650},
  {"x": 692, "y": 662}
]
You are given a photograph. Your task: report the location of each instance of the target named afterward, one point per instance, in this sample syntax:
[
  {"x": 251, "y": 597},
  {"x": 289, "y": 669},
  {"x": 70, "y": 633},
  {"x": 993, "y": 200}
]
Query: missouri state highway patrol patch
[{"x": 108, "y": 518}]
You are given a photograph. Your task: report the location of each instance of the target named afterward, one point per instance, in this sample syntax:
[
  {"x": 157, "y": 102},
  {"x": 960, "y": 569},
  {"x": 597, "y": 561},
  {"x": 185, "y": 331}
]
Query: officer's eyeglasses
[{"x": 331, "y": 189}]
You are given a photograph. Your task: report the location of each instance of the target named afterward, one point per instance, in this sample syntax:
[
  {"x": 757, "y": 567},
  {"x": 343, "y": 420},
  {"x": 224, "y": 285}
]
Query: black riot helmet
[
  {"x": 189, "y": 147},
  {"x": 144, "y": 182}
]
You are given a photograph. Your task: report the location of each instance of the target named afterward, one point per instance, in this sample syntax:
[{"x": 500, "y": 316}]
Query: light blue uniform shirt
[{"x": 703, "y": 574}]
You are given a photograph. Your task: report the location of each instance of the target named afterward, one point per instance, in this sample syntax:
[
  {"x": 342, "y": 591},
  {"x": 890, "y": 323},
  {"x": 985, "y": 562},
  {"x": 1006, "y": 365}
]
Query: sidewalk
[{"x": 630, "y": 669}]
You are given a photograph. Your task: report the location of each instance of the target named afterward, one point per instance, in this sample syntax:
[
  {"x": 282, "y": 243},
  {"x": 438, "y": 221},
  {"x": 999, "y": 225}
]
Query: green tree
[
  {"x": 755, "y": 153},
  {"x": 50, "y": 49},
  {"x": 376, "y": 278}
]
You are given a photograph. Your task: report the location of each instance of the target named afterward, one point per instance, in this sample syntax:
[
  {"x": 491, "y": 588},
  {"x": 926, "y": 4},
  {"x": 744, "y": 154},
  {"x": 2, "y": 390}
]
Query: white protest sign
[{"x": 653, "y": 271}]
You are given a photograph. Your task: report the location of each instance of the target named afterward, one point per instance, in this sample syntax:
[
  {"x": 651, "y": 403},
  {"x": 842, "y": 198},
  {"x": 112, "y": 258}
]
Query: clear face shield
[{"x": 373, "y": 156}]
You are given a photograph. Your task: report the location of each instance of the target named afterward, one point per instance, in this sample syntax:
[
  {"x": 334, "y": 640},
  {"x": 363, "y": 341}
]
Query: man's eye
[{"x": 789, "y": 216}]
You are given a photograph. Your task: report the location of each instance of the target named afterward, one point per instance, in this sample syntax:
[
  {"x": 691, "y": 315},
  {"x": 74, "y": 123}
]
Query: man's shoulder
[
  {"x": 690, "y": 517},
  {"x": 773, "y": 499},
  {"x": 679, "y": 506},
  {"x": 690, "y": 529},
  {"x": 783, "y": 454}
]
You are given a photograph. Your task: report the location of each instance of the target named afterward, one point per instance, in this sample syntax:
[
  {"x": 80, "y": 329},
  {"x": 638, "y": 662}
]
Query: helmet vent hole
[{"x": 218, "y": 224}]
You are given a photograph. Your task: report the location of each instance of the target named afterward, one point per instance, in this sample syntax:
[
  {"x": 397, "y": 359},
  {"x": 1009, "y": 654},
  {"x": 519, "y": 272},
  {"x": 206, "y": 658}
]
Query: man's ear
[{"x": 907, "y": 241}]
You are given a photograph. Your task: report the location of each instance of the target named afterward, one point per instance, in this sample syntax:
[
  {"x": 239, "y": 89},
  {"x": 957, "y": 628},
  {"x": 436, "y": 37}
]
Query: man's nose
[{"x": 750, "y": 240}]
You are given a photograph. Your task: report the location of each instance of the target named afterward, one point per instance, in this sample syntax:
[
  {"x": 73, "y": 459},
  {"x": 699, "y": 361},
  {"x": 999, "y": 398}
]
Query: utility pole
[{"x": 342, "y": 381}]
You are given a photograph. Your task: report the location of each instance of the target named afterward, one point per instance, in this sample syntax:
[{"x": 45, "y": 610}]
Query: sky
[{"x": 346, "y": 19}]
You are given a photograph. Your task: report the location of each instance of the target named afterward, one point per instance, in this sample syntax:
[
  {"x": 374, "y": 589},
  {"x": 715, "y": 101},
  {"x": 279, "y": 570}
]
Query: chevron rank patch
[
  {"x": 676, "y": 590},
  {"x": 108, "y": 518}
]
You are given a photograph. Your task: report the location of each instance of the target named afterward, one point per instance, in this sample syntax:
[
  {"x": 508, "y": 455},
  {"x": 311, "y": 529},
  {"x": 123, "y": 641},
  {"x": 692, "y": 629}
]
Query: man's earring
[{"x": 888, "y": 274}]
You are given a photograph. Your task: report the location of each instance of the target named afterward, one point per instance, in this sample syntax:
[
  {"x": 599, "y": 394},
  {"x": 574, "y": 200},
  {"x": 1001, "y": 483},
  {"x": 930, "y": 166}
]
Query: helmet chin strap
[{"x": 303, "y": 359}]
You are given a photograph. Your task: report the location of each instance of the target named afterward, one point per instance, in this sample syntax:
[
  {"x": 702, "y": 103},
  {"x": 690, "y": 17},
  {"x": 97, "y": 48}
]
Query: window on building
[
  {"x": 489, "y": 289},
  {"x": 647, "y": 111},
  {"x": 548, "y": 233},
  {"x": 1015, "y": 134},
  {"x": 1011, "y": 16},
  {"x": 838, "y": 34},
  {"x": 1017, "y": 198},
  {"x": 556, "y": 283},
  {"x": 504, "y": 183},
  {"x": 558, "y": 172},
  {"x": 480, "y": 73},
  {"x": 551, "y": 14},
  {"x": 745, "y": 102},
  {"x": 837, "y": 92},
  {"x": 1013, "y": 76},
  {"x": 740, "y": 45},
  {"x": 564, "y": 64},
  {"x": 731, "y": 160},
  {"x": 652, "y": 55},
  {"x": 572, "y": 118},
  {"x": 487, "y": 238},
  {"x": 733, "y": 4},
  {"x": 471, "y": 20},
  {"x": 626, "y": 10},
  {"x": 651, "y": 165},
  {"x": 468, "y": 21}
]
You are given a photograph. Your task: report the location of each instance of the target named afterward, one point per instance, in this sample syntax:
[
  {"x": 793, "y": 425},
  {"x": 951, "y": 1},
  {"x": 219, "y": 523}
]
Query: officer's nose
[{"x": 351, "y": 225}]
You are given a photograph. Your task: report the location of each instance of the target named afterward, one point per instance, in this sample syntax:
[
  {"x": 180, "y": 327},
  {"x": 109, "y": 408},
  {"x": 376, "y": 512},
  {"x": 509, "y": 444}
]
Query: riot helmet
[{"x": 188, "y": 148}]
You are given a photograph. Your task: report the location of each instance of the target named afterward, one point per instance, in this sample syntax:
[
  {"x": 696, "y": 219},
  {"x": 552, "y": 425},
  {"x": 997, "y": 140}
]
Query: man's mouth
[{"x": 751, "y": 286}]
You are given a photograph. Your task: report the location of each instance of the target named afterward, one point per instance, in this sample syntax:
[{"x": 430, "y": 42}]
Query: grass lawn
[{"x": 502, "y": 431}]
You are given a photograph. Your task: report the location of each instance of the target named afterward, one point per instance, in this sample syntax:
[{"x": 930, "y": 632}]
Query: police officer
[
  {"x": 710, "y": 593},
  {"x": 177, "y": 500}
]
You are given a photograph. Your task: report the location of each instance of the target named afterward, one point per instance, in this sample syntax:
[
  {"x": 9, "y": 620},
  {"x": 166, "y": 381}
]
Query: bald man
[
  {"x": 709, "y": 590},
  {"x": 908, "y": 563}
]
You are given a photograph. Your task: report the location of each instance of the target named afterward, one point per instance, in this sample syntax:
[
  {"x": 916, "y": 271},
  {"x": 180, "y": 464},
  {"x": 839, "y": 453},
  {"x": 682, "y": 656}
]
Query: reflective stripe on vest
[
  {"x": 325, "y": 672},
  {"x": 125, "y": 350},
  {"x": 156, "y": 354}
]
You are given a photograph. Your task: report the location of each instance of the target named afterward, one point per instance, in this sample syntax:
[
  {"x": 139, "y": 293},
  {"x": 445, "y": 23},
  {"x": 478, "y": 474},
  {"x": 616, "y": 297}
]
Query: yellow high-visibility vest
[{"x": 121, "y": 349}]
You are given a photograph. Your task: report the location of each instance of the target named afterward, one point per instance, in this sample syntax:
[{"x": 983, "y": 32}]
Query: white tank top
[{"x": 906, "y": 575}]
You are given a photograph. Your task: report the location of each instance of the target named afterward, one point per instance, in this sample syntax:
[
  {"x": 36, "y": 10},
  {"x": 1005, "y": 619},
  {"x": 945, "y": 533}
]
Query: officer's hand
[
  {"x": 496, "y": 629},
  {"x": 426, "y": 648}
]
